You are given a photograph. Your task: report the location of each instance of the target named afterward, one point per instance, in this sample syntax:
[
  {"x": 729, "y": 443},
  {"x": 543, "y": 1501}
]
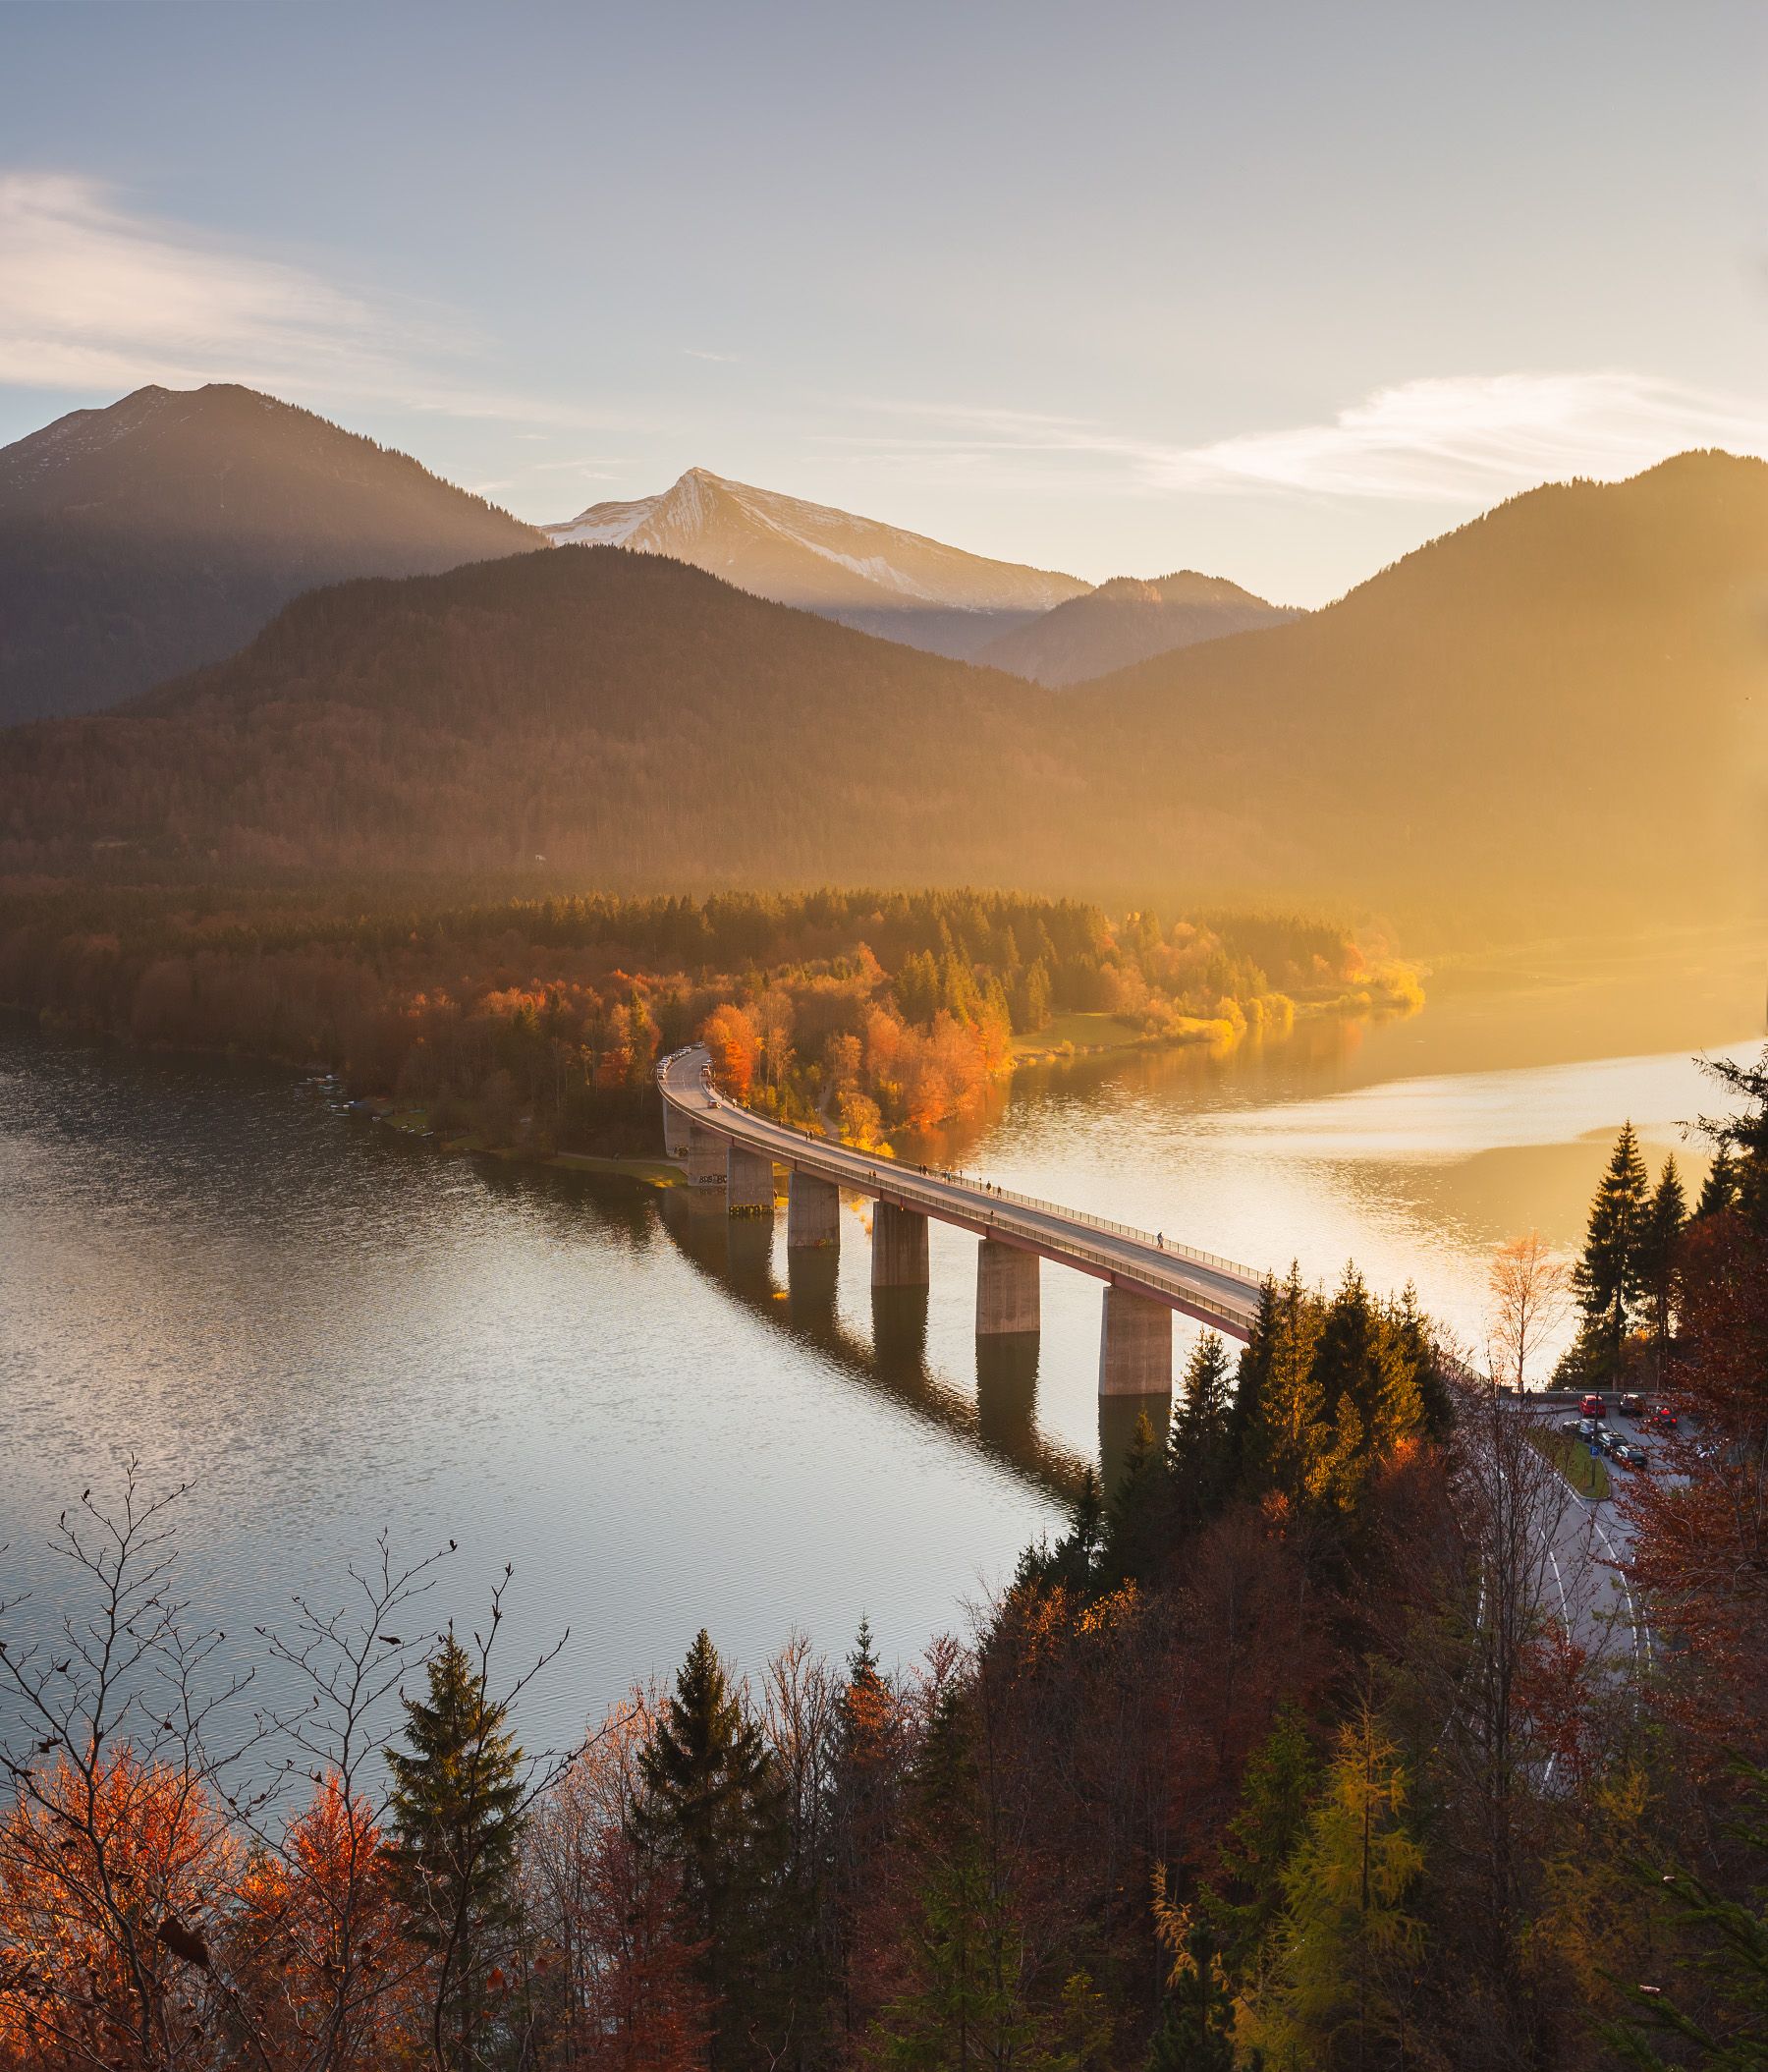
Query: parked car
[
  {"x": 1662, "y": 1420},
  {"x": 1593, "y": 1407},
  {"x": 1632, "y": 1405},
  {"x": 1588, "y": 1429},
  {"x": 1632, "y": 1455},
  {"x": 1610, "y": 1441}
]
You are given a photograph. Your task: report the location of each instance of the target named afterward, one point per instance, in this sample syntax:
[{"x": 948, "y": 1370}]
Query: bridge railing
[{"x": 1033, "y": 1202}]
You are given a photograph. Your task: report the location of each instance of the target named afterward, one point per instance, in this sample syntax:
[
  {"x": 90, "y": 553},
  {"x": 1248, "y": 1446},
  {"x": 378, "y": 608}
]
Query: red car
[
  {"x": 1662, "y": 1420},
  {"x": 1592, "y": 1407}
]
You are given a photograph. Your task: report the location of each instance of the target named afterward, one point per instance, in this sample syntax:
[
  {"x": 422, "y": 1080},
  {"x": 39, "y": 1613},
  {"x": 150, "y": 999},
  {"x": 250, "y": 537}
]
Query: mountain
[
  {"x": 1558, "y": 712},
  {"x": 1126, "y": 620},
  {"x": 864, "y": 573},
  {"x": 1556, "y": 716},
  {"x": 162, "y": 532}
]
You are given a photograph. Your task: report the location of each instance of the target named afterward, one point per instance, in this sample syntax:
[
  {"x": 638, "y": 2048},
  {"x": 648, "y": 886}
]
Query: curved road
[{"x": 1215, "y": 1291}]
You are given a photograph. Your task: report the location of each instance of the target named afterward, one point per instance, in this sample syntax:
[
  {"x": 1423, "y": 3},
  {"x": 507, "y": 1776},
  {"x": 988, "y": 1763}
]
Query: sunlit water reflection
[{"x": 653, "y": 1416}]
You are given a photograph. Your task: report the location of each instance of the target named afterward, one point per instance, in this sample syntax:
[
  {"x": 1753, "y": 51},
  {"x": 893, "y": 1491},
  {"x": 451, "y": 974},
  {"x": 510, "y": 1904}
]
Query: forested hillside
[
  {"x": 141, "y": 540},
  {"x": 1556, "y": 712},
  {"x": 1565, "y": 701}
]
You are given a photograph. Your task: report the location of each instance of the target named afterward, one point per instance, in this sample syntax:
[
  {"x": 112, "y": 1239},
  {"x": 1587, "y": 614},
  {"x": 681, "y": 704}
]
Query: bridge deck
[{"x": 1213, "y": 1290}]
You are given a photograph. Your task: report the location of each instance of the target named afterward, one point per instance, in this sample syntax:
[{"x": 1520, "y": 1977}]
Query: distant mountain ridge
[
  {"x": 143, "y": 540},
  {"x": 877, "y": 578},
  {"x": 1128, "y": 619},
  {"x": 1558, "y": 713}
]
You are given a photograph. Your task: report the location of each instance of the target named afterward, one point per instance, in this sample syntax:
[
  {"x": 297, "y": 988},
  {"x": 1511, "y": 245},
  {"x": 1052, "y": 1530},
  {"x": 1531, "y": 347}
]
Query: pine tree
[
  {"x": 457, "y": 1818},
  {"x": 1073, "y": 1561},
  {"x": 1664, "y": 1215},
  {"x": 1719, "y": 1190},
  {"x": 1728, "y": 2031},
  {"x": 1251, "y": 1376},
  {"x": 1346, "y": 1943},
  {"x": 865, "y": 1772},
  {"x": 712, "y": 1805},
  {"x": 1279, "y": 1782},
  {"x": 1607, "y": 1276},
  {"x": 1292, "y": 1440},
  {"x": 1200, "y": 1465},
  {"x": 1745, "y": 1135},
  {"x": 1196, "y": 2015},
  {"x": 963, "y": 2006}
]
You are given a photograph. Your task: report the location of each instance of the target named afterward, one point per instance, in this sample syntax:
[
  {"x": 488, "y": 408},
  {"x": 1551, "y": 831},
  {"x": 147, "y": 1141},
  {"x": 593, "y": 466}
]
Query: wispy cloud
[
  {"x": 94, "y": 297},
  {"x": 1468, "y": 438},
  {"x": 718, "y": 359},
  {"x": 1452, "y": 439}
]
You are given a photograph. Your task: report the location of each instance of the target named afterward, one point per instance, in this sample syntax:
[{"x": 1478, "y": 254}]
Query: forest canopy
[{"x": 539, "y": 1021}]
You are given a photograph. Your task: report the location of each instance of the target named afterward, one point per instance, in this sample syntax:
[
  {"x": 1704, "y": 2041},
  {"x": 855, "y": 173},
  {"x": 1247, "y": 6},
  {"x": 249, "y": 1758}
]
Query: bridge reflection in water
[
  {"x": 738, "y": 1255},
  {"x": 1000, "y": 1418}
]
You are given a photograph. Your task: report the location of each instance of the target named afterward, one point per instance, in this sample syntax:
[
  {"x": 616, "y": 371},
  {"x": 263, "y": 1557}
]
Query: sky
[{"x": 1275, "y": 291}]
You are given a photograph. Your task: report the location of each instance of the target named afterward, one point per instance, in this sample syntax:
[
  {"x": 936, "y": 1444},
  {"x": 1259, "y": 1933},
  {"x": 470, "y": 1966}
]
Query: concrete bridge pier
[
  {"x": 749, "y": 1182},
  {"x": 812, "y": 1212},
  {"x": 708, "y": 1166},
  {"x": 1006, "y": 1289},
  {"x": 678, "y": 1132},
  {"x": 899, "y": 1247},
  {"x": 1135, "y": 1345}
]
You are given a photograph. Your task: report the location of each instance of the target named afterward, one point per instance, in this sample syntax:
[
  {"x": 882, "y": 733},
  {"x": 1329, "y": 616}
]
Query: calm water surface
[{"x": 660, "y": 1421}]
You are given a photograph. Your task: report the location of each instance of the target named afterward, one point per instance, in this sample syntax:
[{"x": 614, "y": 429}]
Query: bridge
[{"x": 729, "y": 1155}]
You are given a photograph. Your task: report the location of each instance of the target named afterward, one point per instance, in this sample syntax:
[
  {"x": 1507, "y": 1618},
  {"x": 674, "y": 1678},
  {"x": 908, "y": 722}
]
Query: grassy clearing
[
  {"x": 1062, "y": 1033},
  {"x": 1588, "y": 1475}
]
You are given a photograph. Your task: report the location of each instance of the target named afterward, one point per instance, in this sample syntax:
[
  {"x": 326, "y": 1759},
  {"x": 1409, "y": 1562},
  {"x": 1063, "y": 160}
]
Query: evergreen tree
[
  {"x": 712, "y": 1805},
  {"x": 1291, "y": 1441},
  {"x": 1728, "y": 2030},
  {"x": 963, "y": 2005},
  {"x": 1607, "y": 1276},
  {"x": 1073, "y": 1561},
  {"x": 1251, "y": 1377},
  {"x": 1200, "y": 1465},
  {"x": 1719, "y": 1190},
  {"x": 1409, "y": 1333},
  {"x": 866, "y": 1770},
  {"x": 1195, "y": 2033},
  {"x": 1279, "y": 1783},
  {"x": 1664, "y": 1215},
  {"x": 1346, "y": 1944},
  {"x": 1745, "y": 1135},
  {"x": 456, "y": 1818}
]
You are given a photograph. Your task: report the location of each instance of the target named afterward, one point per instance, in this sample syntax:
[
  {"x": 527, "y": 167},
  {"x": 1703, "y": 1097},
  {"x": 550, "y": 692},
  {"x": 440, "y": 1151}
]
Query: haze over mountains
[
  {"x": 1555, "y": 714},
  {"x": 875, "y": 577},
  {"x": 1126, "y": 620},
  {"x": 141, "y": 540}
]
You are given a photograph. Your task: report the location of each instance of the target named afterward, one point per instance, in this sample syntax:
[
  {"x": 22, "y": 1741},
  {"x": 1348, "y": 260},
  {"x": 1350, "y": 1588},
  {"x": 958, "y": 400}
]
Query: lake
[{"x": 329, "y": 1331}]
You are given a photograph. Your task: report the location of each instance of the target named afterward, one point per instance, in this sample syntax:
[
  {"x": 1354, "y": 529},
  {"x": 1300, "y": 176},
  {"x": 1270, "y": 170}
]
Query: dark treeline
[
  {"x": 537, "y": 1021},
  {"x": 1284, "y": 1756}
]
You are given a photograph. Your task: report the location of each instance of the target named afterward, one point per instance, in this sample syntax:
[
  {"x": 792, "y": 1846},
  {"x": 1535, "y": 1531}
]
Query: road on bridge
[{"x": 1214, "y": 1291}]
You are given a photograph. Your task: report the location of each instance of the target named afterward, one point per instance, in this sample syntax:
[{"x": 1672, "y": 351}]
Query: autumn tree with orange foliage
[
  {"x": 736, "y": 1047},
  {"x": 318, "y": 1942},
  {"x": 115, "y": 1876}
]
